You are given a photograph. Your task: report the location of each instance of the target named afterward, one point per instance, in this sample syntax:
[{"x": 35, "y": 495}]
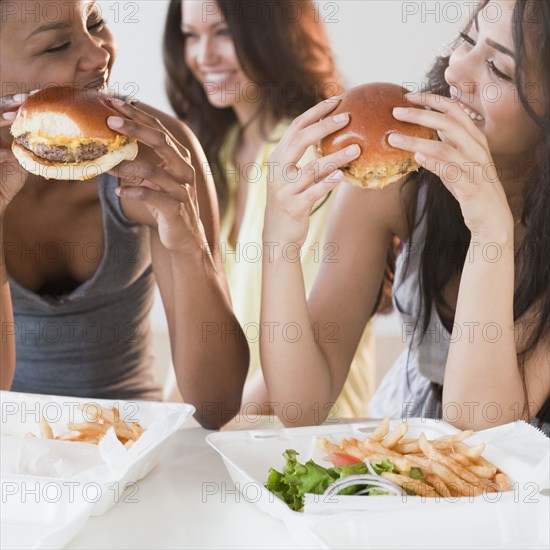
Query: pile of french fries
[
  {"x": 91, "y": 431},
  {"x": 449, "y": 467}
]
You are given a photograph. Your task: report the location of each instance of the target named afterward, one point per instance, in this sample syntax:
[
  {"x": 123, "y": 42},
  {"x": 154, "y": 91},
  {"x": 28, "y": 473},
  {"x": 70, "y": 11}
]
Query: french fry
[
  {"x": 449, "y": 467},
  {"x": 453, "y": 438},
  {"x": 415, "y": 485},
  {"x": 328, "y": 446},
  {"x": 503, "y": 481},
  {"x": 45, "y": 429},
  {"x": 437, "y": 483},
  {"x": 100, "y": 421},
  {"x": 470, "y": 452},
  {"x": 431, "y": 452},
  {"x": 393, "y": 438},
  {"x": 460, "y": 458},
  {"x": 381, "y": 431},
  {"x": 486, "y": 472}
]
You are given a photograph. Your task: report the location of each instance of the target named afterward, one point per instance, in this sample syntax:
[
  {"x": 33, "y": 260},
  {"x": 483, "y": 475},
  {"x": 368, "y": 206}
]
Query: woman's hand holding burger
[
  {"x": 293, "y": 190},
  {"x": 461, "y": 160},
  {"x": 12, "y": 175},
  {"x": 166, "y": 188}
]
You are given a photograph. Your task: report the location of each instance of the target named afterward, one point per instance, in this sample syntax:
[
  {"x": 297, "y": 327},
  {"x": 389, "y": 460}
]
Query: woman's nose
[
  {"x": 96, "y": 56},
  {"x": 463, "y": 81},
  {"x": 206, "y": 51}
]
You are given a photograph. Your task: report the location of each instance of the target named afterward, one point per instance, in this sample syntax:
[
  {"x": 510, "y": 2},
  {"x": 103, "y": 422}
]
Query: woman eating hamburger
[
  {"x": 81, "y": 258},
  {"x": 471, "y": 282}
]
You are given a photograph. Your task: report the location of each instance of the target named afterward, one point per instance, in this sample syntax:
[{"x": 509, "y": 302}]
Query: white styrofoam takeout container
[
  {"x": 248, "y": 456},
  {"x": 46, "y": 509}
]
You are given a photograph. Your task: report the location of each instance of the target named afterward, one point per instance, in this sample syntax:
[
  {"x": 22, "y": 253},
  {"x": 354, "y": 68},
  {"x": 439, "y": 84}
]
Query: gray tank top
[
  {"x": 94, "y": 341},
  {"x": 407, "y": 389}
]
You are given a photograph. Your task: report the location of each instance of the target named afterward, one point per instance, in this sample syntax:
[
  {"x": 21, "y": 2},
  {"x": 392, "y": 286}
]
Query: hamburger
[
  {"x": 61, "y": 133},
  {"x": 370, "y": 107}
]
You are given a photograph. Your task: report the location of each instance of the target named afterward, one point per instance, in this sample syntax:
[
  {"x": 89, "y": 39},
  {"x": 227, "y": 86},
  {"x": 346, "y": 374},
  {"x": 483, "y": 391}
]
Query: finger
[
  {"x": 454, "y": 131},
  {"x": 293, "y": 145},
  {"x": 135, "y": 172},
  {"x": 160, "y": 142},
  {"x": 436, "y": 167},
  {"x": 8, "y": 108},
  {"x": 323, "y": 167},
  {"x": 132, "y": 112},
  {"x": 315, "y": 113},
  {"x": 139, "y": 115},
  {"x": 170, "y": 207},
  {"x": 319, "y": 190},
  {"x": 9, "y": 100},
  {"x": 312, "y": 134},
  {"x": 447, "y": 105},
  {"x": 431, "y": 148}
]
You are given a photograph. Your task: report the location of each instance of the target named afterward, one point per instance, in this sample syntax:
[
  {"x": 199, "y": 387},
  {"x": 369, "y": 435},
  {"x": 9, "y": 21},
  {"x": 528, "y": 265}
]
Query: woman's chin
[{"x": 220, "y": 102}]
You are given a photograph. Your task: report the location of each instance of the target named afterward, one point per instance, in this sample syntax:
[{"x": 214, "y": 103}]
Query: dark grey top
[{"x": 95, "y": 340}]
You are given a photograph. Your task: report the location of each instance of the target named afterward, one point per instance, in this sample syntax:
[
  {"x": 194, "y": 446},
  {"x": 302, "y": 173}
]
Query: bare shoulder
[{"x": 387, "y": 211}]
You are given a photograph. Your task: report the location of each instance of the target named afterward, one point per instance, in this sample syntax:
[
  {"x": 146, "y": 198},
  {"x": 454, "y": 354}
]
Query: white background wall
[
  {"x": 373, "y": 40},
  {"x": 388, "y": 40}
]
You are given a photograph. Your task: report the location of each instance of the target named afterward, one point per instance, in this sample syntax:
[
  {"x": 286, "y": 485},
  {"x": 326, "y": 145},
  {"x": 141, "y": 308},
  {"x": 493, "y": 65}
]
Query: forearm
[
  {"x": 482, "y": 377},
  {"x": 7, "y": 341},
  {"x": 294, "y": 366},
  {"x": 210, "y": 351}
]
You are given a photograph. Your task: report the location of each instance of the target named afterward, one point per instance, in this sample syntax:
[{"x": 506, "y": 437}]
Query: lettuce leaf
[{"x": 297, "y": 479}]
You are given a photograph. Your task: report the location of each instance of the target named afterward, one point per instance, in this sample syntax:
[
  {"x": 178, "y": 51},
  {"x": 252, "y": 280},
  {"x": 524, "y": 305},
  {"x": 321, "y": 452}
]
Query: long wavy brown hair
[
  {"x": 448, "y": 238},
  {"x": 284, "y": 49}
]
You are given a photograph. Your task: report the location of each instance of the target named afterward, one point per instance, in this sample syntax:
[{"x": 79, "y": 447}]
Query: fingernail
[
  {"x": 352, "y": 151},
  {"x": 32, "y": 92},
  {"x": 395, "y": 139},
  {"x": 400, "y": 111},
  {"x": 115, "y": 122},
  {"x": 118, "y": 191},
  {"x": 9, "y": 115},
  {"x": 117, "y": 101},
  {"x": 333, "y": 99},
  {"x": 341, "y": 117},
  {"x": 20, "y": 97}
]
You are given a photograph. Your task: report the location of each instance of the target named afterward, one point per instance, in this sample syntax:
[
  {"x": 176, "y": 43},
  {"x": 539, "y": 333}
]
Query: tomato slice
[{"x": 341, "y": 459}]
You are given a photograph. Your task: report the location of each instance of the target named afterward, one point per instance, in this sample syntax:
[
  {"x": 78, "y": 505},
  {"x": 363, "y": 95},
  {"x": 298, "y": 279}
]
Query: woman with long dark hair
[
  {"x": 238, "y": 73},
  {"x": 472, "y": 281},
  {"x": 79, "y": 320}
]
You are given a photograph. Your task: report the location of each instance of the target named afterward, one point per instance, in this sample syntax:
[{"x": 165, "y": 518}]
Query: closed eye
[
  {"x": 58, "y": 48},
  {"x": 497, "y": 72}
]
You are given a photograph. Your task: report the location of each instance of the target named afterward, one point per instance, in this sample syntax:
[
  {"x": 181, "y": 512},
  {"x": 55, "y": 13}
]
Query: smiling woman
[
  {"x": 238, "y": 72},
  {"x": 81, "y": 316},
  {"x": 472, "y": 280}
]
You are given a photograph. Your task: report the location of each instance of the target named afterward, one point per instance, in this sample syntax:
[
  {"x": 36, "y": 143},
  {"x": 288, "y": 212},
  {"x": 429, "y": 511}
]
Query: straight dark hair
[
  {"x": 448, "y": 238},
  {"x": 281, "y": 45}
]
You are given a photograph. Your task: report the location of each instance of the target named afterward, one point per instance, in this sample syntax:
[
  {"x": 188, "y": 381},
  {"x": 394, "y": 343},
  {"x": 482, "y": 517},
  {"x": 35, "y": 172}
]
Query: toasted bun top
[
  {"x": 371, "y": 121},
  {"x": 65, "y": 111}
]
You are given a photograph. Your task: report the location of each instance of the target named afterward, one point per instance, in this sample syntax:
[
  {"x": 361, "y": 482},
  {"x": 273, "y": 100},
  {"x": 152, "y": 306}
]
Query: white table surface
[{"x": 176, "y": 507}]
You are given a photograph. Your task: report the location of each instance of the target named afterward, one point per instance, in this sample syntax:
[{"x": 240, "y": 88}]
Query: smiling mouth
[
  {"x": 217, "y": 77},
  {"x": 476, "y": 117}
]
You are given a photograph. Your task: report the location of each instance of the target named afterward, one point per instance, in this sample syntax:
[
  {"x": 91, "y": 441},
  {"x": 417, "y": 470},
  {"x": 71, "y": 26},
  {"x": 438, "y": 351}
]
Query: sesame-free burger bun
[
  {"x": 370, "y": 107},
  {"x": 61, "y": 133}
]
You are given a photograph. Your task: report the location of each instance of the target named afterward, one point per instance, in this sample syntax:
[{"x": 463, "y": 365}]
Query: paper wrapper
[{"x": 23, "y": 454}]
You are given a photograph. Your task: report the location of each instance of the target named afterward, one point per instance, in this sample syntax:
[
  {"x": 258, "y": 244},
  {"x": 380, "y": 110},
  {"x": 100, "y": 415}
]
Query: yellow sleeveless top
[{"x": 243, "y": 265}]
